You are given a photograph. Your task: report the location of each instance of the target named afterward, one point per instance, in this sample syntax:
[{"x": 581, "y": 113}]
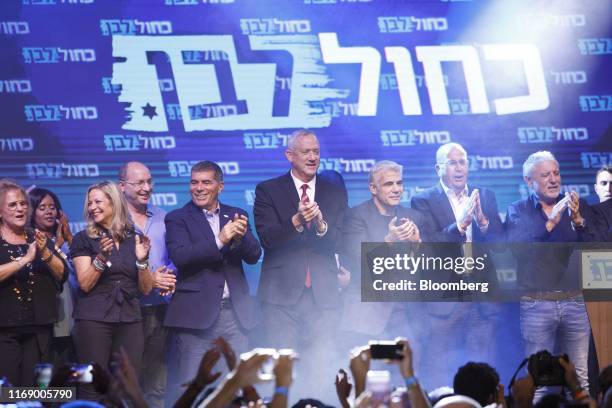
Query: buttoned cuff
[
  {"x": 484, "y": 228},
  {"x": 321, "y": 234},
  {"x": 219, "y": 243}
]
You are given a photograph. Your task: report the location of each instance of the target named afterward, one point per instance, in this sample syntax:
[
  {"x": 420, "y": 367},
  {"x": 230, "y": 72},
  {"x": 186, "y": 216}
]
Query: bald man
[{"x": 136, "y": 183}]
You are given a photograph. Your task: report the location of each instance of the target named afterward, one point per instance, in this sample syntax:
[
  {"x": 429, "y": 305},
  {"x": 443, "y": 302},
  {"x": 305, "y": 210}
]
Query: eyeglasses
[
  {"x": 456, "y": 163},
  {"x": 14, "y": 206},
  {"x": 139, "y": 184}
]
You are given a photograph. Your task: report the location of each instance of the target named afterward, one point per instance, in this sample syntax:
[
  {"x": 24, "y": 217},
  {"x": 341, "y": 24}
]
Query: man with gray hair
[
  {"x": 460, "y": 214},
  {"x": 553, "y": 314},
  {"x": 298, "y": 218},
  {"x": 379, "y": 219}
]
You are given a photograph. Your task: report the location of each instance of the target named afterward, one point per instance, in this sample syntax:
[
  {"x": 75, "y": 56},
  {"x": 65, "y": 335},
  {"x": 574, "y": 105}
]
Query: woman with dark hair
[
  {"x": 48, "y": 217},
  {"x": 112, "y": 267},
  {"x": 31, "y": 273}
]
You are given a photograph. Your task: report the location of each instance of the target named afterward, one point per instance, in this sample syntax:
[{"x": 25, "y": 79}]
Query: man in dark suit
[
  {"x": 208, "y": 241},
  {"x": 600, "y": 222},
  {"x": 380, "y": 219},
  {"x": 298, "y": 218},
  {"x": 461, "y": 214}
]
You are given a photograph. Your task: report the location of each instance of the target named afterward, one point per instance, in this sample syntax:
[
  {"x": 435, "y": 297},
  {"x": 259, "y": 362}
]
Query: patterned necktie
[{"x": 305, "y": 200}]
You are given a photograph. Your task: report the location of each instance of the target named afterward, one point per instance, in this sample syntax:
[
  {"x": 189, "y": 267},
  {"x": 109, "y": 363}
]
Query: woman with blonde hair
[
  {"x": 112, "y": 267},
  {"x": 31, "y": 274}
]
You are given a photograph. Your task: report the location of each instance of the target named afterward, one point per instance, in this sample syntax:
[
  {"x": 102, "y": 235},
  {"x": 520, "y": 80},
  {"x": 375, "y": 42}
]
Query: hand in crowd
[
  {"x": 143, "y": 245},
  {"x": 364, "y": 400},
  {"x": 63, "y": 233},
  {"x": 406, "y": 365},
  {"x": 360, "y": 365},
  {"x": 571, "y": 379},
  {"x": 283, "y": 370},
  {"x": 245, "y": 374},
  {"x": 101, "y": 379},
  {"x": 164, "y": 279},
  {"x": 523, "y": 392},
  {"x": 205, "y": 375},
  {"x": 127, "y": 379},
  {"x": 61, "y": 376},
  {"x": 343, "y": 388},
  {"x": 405, "y": 231},
  {"x": 249, "y": 392}
]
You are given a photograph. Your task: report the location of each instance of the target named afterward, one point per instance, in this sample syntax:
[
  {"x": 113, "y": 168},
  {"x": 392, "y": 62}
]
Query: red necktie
[{"x": 305, "y": 200}]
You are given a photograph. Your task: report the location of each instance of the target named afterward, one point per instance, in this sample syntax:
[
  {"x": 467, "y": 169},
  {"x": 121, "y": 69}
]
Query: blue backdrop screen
[{"x": 89, "y": 84}]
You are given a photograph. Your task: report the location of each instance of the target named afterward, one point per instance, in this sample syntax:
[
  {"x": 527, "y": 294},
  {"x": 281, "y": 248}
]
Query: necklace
[{"x": 24, "y": 278}]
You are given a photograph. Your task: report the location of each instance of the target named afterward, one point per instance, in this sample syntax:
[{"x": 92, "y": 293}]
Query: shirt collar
[
  {"x": 535, "y": 203},
  {"x": 299, "y": 183},
  {"x": 210, "y": 214},
  {"x": 150, "y": 211},
  {"x": 449, "y": 192}
]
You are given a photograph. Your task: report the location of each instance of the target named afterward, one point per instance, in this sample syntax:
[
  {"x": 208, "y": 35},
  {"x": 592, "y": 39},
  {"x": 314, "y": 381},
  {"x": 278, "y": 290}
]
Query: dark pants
[
  {"x": 310, "y": 330},
  {"x": 96, "y": 342},
  {"x": 189, "y": 345},
  {"x": 153, "y": 375},
  {"x": 20, "y": 352},
  {"x": 62, "y": 351}
]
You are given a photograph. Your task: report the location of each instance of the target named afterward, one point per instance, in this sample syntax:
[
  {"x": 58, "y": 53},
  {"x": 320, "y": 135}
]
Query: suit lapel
[
  {"x": 199, "y": 219},
  {"x": 320, "y": 191},
  {"x": 444, "y": 206},
  {"x": 288, "y": 186},
  {"x": 224, "y": 215}
]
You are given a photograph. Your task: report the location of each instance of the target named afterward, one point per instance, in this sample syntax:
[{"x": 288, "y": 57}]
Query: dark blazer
[
  {"x": 364, "y": 223},
  {"x": 443, "y": 228},
  {"x": 203, "y": 269},
  {"x": 289, "y": 253},
  {"x": 435, "y": 203},
  {"x": 599, "y": 222}
]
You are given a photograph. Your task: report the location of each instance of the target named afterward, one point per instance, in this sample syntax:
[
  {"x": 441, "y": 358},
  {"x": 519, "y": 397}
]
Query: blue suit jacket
[{"x": 203, "y": 269}]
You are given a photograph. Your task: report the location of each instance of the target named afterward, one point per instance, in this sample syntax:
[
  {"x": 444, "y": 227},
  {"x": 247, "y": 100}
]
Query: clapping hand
[
  {"x": 143, "y": 245},
  {"x": 164, "y": 279},
  {"x": 63, "y": 233},
  {"x": 405, "y": 231},
  {"x": 106, "y": 246},
  {"x": 481, "y": 219},
  {"x": 234, "y": 229}
]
